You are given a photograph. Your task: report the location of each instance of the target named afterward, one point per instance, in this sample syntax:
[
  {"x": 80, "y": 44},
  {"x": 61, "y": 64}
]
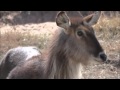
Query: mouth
[
  {"x": 96, "y": 60},
  {"x": 101, "y": 60}
]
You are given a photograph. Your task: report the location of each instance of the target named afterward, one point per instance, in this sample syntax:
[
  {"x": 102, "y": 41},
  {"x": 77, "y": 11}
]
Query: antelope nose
[{"x": 103, "y": 57}]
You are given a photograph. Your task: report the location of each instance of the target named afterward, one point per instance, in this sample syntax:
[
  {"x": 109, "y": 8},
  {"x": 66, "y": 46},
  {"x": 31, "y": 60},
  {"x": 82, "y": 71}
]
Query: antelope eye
[{"x": 79, "y": 33}]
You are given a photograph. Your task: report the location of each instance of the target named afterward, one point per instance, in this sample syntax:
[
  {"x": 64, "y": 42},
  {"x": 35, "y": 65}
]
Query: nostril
[{"x": 103, "y": 57}]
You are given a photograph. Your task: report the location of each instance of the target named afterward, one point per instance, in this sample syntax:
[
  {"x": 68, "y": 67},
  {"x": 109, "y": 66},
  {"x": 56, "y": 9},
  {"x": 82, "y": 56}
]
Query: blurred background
[{"x": 23, "y": 17}]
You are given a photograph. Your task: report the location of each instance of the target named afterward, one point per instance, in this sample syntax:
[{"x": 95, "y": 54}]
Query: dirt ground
[{"x": 109, "y": 39}]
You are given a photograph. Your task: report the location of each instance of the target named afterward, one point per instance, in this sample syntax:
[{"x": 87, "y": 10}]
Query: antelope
[
  {"x": 73, "y": 46},
  {"x": 15, "y": 56}
]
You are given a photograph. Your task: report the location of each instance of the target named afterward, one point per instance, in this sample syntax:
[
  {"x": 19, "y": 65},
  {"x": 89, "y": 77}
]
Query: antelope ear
[
  {"x": 62, "y": 20},
  {"x": 93, "y": 18}
]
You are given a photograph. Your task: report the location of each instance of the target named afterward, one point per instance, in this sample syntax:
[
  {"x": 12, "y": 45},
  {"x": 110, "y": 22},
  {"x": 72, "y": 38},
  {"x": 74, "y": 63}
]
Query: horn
[
  {"x": 80, "y": 13},
  {"x": 95, "y": 17},
  {"x": 84, "y": 22}
]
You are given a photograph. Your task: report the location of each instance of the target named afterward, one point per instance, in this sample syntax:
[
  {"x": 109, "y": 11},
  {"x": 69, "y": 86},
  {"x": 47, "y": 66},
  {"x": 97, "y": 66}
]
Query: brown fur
[
  {"x": 65, "y": 55},
  {"x": 15, "y": 56}
]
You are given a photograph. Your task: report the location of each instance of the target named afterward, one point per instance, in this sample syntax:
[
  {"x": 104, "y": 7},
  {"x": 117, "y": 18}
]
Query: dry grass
[
  {"x": 11, "y": 37},
  {"x": 107, "y": 32},
  {"x": 14, "y": 39}
]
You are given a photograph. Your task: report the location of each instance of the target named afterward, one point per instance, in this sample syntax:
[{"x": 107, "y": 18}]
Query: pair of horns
[{"x": 88, "y": 20}]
